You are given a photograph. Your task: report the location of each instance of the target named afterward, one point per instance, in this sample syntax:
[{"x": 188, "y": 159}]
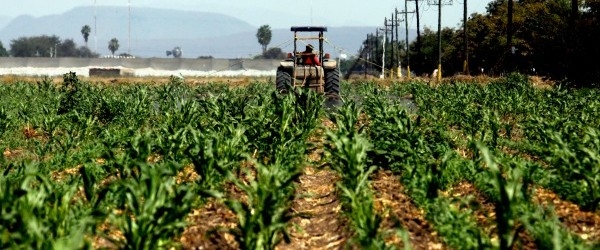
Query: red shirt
[{"x": 310, "y": 59}]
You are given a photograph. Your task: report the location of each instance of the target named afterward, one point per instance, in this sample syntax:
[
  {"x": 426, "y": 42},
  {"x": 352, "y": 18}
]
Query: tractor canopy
[{"x": 308, "y": 29}]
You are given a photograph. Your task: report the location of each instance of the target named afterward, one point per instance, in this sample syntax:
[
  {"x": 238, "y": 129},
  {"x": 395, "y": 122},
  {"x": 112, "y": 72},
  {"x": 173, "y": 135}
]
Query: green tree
[
  {"x": 113, "y": 45},
  {"x": 67, "y": 48},
  {"x": 35, "y": 46},
  {"x": 273, "y": 53},
  {"x": 85, "y": 31},
  {"x": 3, "y": 51},
  {"x": 428, "y": 61},
  {"x": 47, "y": 46},
  {"x": 264, "y": 36},
  {"x": 551, "y": 36},
  {"x": 86, "y": 52}
]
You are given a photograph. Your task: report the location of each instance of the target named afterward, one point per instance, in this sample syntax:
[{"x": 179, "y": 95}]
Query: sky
[{"x": 276, "y": 13}]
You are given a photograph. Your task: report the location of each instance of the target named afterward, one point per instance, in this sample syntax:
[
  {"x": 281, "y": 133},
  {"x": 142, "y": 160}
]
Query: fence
[{"x": 139, "y": 66}]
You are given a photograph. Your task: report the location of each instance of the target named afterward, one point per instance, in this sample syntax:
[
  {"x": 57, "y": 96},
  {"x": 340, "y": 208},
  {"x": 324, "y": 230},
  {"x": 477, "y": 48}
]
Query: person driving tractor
[{"x": 310, "y": 58}]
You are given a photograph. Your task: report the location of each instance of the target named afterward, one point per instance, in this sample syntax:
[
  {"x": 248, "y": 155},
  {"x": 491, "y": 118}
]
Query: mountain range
[{"x": 154, "y": 31}]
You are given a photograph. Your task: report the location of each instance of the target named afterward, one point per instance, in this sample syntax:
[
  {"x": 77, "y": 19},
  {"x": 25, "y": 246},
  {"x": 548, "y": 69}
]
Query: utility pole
[
  {"x": 385, "y": 41},
  {"x": 439, "y": 35},
  {"x": 95, "y": 30},
  {"x": 376, "y": 45},
  {"x": 383, "y": 54},
  {"x": 129, "y": 29},
  {"x": 383, "y": 58},
  {"x": 509, "y": 34},
  {"x": 405, "y": 12},
  {"x": 368, "y": 54},
  {"x": 393, "y": 23},
  {"x": 465, "y": 38},
  {"x": 439, "y": 72},
  {"x": 397, "y": 56},
  {"x": 418, "y": 47},
  {"x": 574, "y": 41}
]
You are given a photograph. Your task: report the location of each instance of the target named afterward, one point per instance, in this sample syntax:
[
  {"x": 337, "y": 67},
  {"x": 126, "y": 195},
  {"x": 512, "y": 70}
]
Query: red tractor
[{"x": 310, "y": 69}]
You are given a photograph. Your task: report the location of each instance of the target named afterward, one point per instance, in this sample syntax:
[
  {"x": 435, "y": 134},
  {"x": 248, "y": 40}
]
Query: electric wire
[{"x": 240, "y": 61}]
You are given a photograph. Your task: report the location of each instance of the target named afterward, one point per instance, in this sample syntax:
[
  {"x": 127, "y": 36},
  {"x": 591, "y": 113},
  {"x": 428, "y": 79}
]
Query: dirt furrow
[
  {"x": 585, "y": 224},
  {"x": 318, "y": 224},
  {"x": 394, "y": 204},
  {"x": 318, "y": 221},
  {"x": 207, "y": 227},
  {"x": 485, "y": 214}
]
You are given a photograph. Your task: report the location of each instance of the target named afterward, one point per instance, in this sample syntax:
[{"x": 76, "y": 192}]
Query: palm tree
[
  {"x": 85, "y": 31},
  {"x": 113, "y": 45},
  {"x": 264, "y": 36}
]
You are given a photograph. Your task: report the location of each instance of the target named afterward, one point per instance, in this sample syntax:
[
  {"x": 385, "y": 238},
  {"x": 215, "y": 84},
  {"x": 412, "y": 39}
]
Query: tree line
[
  {"x": 53, "y": 46},
  {"x": 552, "y": 38}
]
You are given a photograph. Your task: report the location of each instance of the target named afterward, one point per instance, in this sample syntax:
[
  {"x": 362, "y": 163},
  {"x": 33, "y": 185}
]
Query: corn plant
[
  {"x": 263, "y": 220},
  {"x": 549, "y": 232},
  {"x": 5, "y": 121},
  {"x": 151, "y": 210},
  {"x": 214, "y": 154},
  {"x": 268, "y": 183},
  {"x": 457, "y": 224},
  {"x": 348, "y": 149},
  {"x": 395, "y": 137},
  {"x": 76, "y": 95},
  {"x": 512, "y": 199},
  {"x": 290, "y": 125},
  {"x": 577, "y": 160},
  {"x": 36, "y": 214}
]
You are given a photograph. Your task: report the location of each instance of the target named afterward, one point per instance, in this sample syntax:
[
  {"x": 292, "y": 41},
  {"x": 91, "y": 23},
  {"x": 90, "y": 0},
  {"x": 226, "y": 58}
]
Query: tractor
[{"x": 309, "y": 69}]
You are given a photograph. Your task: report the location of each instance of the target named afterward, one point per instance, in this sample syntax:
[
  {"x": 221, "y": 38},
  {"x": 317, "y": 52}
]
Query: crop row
[{"x": 91, "y": 165}]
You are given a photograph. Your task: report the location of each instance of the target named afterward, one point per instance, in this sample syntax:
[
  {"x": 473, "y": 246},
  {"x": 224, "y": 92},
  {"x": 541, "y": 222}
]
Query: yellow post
[
  {"x": 439, "y": 73},
  {"x": 399, "y": 72},
  {"x": 408, "y": 71}
]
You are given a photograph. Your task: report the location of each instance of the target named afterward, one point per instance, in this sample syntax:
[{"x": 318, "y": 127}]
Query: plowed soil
[
  {"x": 394, "y": 205},
  {"x": 319, "y": 224}
]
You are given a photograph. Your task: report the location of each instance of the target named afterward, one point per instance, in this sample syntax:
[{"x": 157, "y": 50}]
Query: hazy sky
[{"x": 276, "y": 13}]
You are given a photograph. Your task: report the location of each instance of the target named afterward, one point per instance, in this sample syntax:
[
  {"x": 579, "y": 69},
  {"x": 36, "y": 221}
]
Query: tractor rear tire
[
  {"x": 332, "y": 83},
  {"x": 283, "y": 81}
]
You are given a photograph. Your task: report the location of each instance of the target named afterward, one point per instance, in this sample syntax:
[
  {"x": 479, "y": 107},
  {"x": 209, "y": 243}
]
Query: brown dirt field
[
  {"x": 486, "y": 216},
  {"x": 320, "y": 224},
  {"x": 192, "y": 81},
  {"x": 207, "y": 228},
  {"x": 392, "y": 203},
  {"x": 585, "y": 224}
]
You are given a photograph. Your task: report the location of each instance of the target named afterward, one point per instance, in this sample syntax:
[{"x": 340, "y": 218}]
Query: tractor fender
[
  {"x": 330, "y": 64},
  {"x": 287, "y": 64}
]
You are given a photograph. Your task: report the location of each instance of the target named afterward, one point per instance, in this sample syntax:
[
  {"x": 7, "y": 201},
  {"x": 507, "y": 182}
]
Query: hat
[{"x": 309, "y": 47}]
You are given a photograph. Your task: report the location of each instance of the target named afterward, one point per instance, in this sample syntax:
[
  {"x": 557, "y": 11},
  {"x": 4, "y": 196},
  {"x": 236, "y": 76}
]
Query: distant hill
[
  {"x": 345, "y": 39},
  {"x": 4, "y": 21},
  {"x": 153, "y": 31},
  {"x": 242, "y": 45},
  {"x": 146, "y": 23}
]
